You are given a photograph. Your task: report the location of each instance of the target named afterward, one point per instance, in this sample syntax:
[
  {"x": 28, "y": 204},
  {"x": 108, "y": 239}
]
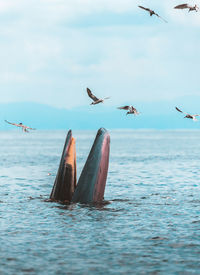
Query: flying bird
[
  {"x": 23, "y": 127},
  {"x": 193, "y": 117},
  {"x": 94, "y": 98},
  {"x": 130, "y": 109},
  {"x": 186, "y": 6},
  {"x": 152, "y": 12}
]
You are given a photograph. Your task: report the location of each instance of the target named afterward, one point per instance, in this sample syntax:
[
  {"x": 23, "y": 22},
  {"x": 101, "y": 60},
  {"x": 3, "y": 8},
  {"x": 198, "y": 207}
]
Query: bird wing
[
  {"x": 160, "y": 17},
  {"x": 27, "y": 127},
  {"x": 146, "y": 9},
  {"x": 182, "y": 6},
  {"x": 15, "y": 124},
  {"x": 133, "y": 109},
  {"x": 178, "y": 110},
  {"x": 90, "y": 94},
  {"x": 123, "y": 107}
]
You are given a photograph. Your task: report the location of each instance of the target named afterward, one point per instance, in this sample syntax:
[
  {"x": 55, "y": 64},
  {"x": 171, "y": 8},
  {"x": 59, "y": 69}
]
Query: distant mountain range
[{"x": 154, "y": 115}]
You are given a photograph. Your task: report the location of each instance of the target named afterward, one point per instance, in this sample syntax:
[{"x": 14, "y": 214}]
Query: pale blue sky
[{"x": 51, "y": 50}]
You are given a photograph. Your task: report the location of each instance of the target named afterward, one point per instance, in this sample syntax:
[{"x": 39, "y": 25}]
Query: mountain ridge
[{"x": 154, "y": 115}]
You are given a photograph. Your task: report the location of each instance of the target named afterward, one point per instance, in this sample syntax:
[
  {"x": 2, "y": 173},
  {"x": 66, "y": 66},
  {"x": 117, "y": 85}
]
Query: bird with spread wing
[
  {"x": 130, "y": 109},
  {"x": 193, "y": 117},
  {"x": 186, "y": 6},
  {"x": 94, "y": 98},
  {"x": 23, "y": 127},
  {"x": 152, "y": 12}
]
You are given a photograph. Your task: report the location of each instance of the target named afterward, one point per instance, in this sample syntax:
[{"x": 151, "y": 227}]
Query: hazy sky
[{"x": 51, "y": 50}]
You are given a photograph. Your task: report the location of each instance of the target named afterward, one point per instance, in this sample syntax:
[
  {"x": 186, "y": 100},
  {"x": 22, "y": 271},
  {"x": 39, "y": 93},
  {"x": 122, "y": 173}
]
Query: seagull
[
  {"x": 186, "y": 6},
  {"x": 24, "y": 127},
  {"x": 130, "y": 109},
  {"x": 193, "y": 117},
  {"x": 151, "y": 12},
  {"x": 94, "y": 98}
]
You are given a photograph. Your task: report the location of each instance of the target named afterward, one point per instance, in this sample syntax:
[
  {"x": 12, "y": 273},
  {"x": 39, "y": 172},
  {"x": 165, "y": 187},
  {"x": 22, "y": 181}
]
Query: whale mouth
[{"x": 92, "y": 181}]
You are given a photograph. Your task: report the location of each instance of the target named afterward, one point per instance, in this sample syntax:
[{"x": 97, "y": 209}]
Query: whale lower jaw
[
  {"x": 65, "y": 182},
  {"x": 92, "y": 181}
]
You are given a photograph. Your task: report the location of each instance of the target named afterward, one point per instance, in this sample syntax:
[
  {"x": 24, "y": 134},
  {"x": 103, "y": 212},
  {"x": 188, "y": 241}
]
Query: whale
[
  {"x": 65, "y": 182},
  {"x": 92, "y": 181},
  {"x": 91, "y": 184}
]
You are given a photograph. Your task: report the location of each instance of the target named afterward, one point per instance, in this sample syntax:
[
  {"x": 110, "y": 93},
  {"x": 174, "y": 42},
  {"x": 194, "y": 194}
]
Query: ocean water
[{"x": 150, "y": 225}]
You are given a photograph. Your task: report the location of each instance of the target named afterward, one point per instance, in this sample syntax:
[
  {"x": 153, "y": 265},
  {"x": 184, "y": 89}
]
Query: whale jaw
[
  {"x": 92, "y": 181},
  {"x": 65, "y": 182}
]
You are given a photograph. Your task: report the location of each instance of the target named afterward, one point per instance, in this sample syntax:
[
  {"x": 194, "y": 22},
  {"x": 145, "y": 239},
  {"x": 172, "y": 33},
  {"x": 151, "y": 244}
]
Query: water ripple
[{"x": 149, "y": 223}]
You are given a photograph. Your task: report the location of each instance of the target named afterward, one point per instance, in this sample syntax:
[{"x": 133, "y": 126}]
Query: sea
[{"x": 148, "y": 224}]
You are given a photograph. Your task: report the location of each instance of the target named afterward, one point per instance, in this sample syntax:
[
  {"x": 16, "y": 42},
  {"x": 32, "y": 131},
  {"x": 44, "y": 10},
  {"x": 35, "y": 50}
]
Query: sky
[{"x": 51, "y": 50}]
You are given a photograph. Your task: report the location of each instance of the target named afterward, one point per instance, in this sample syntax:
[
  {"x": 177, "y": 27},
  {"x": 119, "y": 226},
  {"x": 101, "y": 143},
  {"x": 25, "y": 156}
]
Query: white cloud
[
  {"x": 57, "y": 10},
  {"x": 6, "y": 5},
  {"x": 45, "y": 58},
  {"x": 6, "y": 77}
]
